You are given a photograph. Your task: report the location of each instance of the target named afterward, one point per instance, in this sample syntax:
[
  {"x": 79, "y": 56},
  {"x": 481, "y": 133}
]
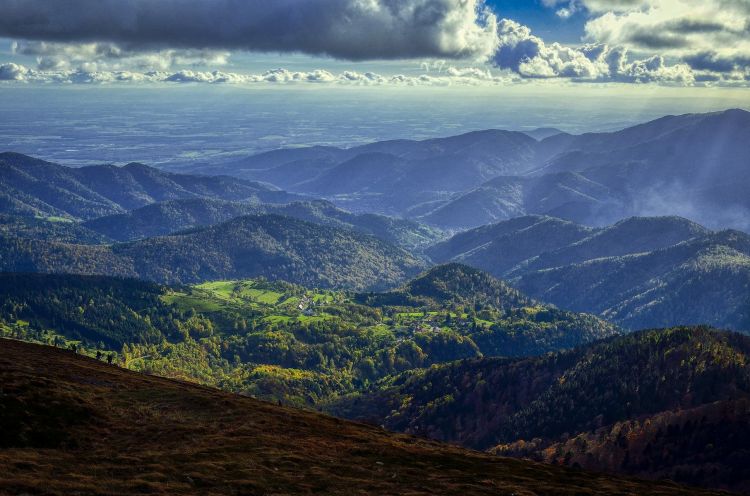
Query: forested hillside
[
  {"x": 281, "y": 341},
  {"x": 56, "y": 229},
  {"x": 267, "y": 245},
  {"x": 705, "y": 280},
  {"x": 615, "y": 392},
  {"x": 702, "y": 446},
  {"x": 159, "y": 219}
]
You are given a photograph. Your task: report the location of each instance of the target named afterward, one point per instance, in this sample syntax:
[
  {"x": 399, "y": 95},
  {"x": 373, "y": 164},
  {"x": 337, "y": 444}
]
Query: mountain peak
[
  {"x": 15, "y": 158},
  {"x": 737, "y": 111},
  {"x": 664, "y": 222},
  {"x": 138, "y": 166},
  {"x": 542, "y": 133},
  {"x": 460, "y": 284}
]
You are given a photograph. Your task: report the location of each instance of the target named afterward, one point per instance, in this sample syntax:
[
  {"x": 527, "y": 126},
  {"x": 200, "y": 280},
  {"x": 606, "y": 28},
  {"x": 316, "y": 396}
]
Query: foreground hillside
[
  {"x": 640, "y": 272},
  {"x": 660, "y": 403},
  {"x": 73, "y": 425},
  {"x": 705, "y": 445},
  {"x": 284, "y": 342}
]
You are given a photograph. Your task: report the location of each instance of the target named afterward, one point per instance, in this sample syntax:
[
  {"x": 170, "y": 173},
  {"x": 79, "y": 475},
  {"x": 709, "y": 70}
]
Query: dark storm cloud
[
  {"x": 712, "y": 61},
  {"x": 647, "y": 39},
  {"x": 686, "y": 26},
  {"x": 350, "y": 29}
]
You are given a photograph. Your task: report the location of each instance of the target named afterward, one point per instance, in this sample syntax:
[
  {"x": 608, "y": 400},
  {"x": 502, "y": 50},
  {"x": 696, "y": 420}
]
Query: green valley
[{"x": 282, "y": 341}]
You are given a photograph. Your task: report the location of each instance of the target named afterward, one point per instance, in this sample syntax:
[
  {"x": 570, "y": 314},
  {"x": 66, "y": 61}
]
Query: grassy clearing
[
  {"x": 243, "y": 291},
  {"x": 56, "y": 219},
  {"x": 199, "y": 303}
]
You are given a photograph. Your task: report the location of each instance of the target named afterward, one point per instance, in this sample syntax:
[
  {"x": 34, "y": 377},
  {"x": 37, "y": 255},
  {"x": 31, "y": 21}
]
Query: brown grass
[{"x": 72, "y": 425}]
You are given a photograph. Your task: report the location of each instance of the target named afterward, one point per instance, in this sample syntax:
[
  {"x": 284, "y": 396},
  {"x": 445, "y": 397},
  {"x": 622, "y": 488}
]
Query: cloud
[
  {"x": 655, "y": 69},
  {"x": 714, "y": 62},
  {"x": 661, "y": 41},
  {"x": 613, "y": 5},
  {"x": 110, "y": 56},
  {"x": 519, "y": 53},
  {"x": 348, "y": 29},
  {"x": 712, "y": 37},
  {"x": 530, "y": 56},
  {"x": 13, "y": 72},
  {"x": 446, "y": 77},
  {"x": 675, "y": 27}
]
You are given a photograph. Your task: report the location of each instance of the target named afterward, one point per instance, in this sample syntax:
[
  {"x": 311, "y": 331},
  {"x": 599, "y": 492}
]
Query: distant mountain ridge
[
  {"x": 693, "y": 165},
  {"x": 541, "y": 133},
  {"x": 30, "y": 186},
  {"x": 640, "y": 272},
  {"x": 272, "y": 246},
  {"x": 569, "y": 195},
  {"x": 389, "y": 177}
]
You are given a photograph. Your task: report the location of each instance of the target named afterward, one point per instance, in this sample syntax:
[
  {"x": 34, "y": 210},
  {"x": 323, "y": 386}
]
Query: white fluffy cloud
[
  {"x": 110, "y": 56},
  {"x": 13, "y": 72},
  {"x": 445, "y": 77},
  {"x": 349, "y": 29},
  {"x": 710, "y": 36},
  {"x": 530, "y": 56},
  {"x": 675, "y": 27}
]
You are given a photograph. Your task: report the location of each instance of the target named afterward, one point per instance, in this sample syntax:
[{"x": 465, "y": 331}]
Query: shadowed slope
[
  {"x": 271, "y": 246},
  {"x": 108, "y": 431}
]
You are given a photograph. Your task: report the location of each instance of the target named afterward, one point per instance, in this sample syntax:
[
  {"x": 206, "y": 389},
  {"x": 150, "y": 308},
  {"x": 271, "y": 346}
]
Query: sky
[
  {"x": 377, "y": 42},
  {"x": 170, "y": 82}
]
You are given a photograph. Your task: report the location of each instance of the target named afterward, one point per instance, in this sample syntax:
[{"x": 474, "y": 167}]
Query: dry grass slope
[{"x": 72, "y": 425}]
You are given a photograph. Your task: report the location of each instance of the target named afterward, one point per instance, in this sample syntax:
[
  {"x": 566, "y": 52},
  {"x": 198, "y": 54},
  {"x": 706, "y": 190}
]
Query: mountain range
[
  {"x": 639, "y": 272},
  {"x": 691, "y": 165},
  {"x": 694, "y": 165},
  {"x": 444, "y": 354},
  {"x": 390, "y": 177},
  {"x": 33, "y": 187},
  {"x": 557, "y": 303}
]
